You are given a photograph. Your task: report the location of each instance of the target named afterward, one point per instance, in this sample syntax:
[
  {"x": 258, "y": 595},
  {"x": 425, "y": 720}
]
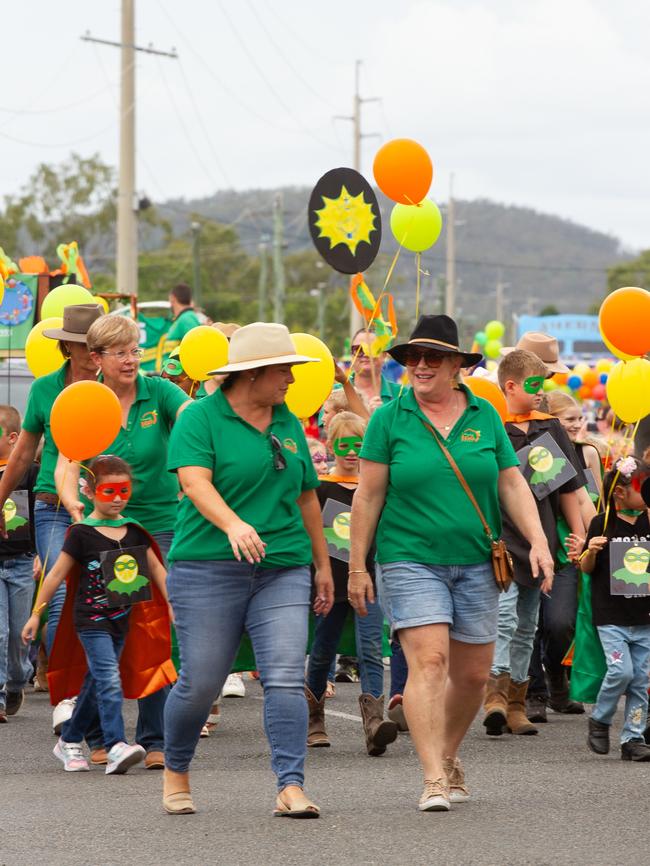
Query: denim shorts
[{"x": 465, "y": 596}]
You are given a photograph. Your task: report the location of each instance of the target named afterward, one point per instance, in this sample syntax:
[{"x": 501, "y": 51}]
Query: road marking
[{"x": 327, "y": 712}]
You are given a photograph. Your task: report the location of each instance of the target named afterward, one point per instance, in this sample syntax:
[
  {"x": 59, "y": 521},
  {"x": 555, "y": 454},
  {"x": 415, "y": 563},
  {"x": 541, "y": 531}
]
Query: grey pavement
[{"x": 536, "y": 801}]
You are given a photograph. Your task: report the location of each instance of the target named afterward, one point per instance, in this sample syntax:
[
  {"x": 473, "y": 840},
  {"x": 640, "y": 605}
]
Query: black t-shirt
[
  {"x": 19, "y": 517},
  {"x": 610, "y": 609},
  {"x": 85, "y": 545},
  {"x": 338, "y": 538},
  {"x": 549, "y": 507}
]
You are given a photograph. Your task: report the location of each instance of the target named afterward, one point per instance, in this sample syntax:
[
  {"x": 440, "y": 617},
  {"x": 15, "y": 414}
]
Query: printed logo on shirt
[
  {"x": 470, "y": 435},
  {"x": 290, "y": 445},
  {"x": 149, "y": 419}
]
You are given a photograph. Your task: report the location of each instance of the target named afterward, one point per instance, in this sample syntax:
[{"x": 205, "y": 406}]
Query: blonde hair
[
  {"x": 518, "y": 365},
  {"x": 345, "y": 420},
  {"x": 558, "y": 402},
  {"x": 336, "y": 402},
  {"x": 108, "y": 331}
]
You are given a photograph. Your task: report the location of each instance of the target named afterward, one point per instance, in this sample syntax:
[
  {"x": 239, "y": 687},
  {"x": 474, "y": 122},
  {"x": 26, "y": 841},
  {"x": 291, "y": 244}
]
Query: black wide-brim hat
[{"x": 435, "y": 332}]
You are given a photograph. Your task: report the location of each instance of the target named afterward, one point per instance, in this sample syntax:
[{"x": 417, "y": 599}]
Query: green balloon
[
  {"x": 494, "y": 330},
  {"x": 492, "y": 348},
  {"x": 416, "y": 227},
  {"x": 480, "y": 337}
]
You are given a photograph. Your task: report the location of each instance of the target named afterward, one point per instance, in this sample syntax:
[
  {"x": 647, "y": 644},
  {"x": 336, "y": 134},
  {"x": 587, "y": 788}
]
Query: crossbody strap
[{"x": 461, "y": 478}]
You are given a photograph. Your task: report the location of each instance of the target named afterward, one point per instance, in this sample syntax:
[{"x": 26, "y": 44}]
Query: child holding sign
[
  {"x": 110, "y": 558},
  {"x": 622, "y": 621}
]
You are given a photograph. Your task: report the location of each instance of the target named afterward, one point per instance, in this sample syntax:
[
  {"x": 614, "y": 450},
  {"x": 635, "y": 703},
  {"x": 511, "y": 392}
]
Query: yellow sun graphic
[{"x": 347, "y": 220}]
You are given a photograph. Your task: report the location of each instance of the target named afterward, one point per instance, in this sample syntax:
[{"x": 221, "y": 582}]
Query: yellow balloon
[
  {"x": 102, "y": 302},
  {"x": 203, "y": 349},
  {"x": 65, "y": 296},
  {"x": 314, "y": 382},
  {"x": 628, "y": 389},
  {"x": 41, "y": 353},
  {"x": 615, "y": 351}
]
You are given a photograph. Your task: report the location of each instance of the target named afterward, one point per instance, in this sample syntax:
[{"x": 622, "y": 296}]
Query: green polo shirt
[
  {"x": 387, "y": 390},
  {"x": 210, "y": 434},
  {"x": 42, "y": 395},
  {"x": 184, "y": 322},
  {"x": 143, "y": 444},
  {"x": 427, "y": 516}
]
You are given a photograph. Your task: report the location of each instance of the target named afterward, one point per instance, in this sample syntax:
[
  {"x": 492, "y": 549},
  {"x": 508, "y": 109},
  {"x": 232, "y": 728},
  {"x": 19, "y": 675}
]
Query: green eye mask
[
  {"x": 533, "y": 384},
  {"x": 173, "y": 367},
  {"x": 344, "y": 444}
]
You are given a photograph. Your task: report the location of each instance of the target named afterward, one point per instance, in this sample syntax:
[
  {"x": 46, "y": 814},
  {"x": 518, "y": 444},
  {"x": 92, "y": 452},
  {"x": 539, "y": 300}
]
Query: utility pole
[
  {"x": 196, "y": 262},
  {"x": 356, "y": 320},
  {"x": 450, "y": 297},
  {"x": 278, "y": 263},
  {"x": 127, "y": 227},
  {"x": 261, "y": 290}
]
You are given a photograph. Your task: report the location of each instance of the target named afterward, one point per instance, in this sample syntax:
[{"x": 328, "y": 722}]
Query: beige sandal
[
  {"x": 307, "y": 809},
  {"x": 179, "y": 803}
]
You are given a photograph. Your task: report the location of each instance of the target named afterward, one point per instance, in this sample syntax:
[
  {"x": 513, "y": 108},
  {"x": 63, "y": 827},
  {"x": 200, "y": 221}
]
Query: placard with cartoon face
[
  {"x": 629, "y": 562},
  {"x": 126, "y": 575},
  {"x": 16, "y": 513},
  {"x": 545, "y": 466},
  {"x": 336, "y": 528}
]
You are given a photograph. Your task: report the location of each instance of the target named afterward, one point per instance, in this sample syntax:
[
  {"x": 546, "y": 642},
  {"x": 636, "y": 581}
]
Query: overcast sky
[{"x": 541, "y": 103}]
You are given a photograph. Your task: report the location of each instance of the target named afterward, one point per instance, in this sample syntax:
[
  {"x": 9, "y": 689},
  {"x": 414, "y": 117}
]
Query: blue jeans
[
  {"x": 557, "y": 625},
  {"x": 101, "y": 690},
  {"x": 16, "y": 593},
  {"x": 399, "y": 669},
  {"x": 50, "y": 527},
  {"x": 627, "y": 653},
  {"x": 518, "y": 611},
  {"x": 368, "y": 631},
  {"x": 214, "y": 603}
]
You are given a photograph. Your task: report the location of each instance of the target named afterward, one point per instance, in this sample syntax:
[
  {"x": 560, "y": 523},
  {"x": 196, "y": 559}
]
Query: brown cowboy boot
[
  {"x": 496, "y": 704},
  {"x": 518, "y": 722},
  {"x": 316, "y": 733},
  {"x": 379, "y": 731}
]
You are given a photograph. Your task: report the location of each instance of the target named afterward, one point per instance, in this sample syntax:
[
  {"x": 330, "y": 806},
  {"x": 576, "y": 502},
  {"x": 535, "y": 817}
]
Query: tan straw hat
[
  {"x": 260, "y": 345},
  {"x": 77, "y": 319},
  {"x": 226, "y": 328},
  {"x": 544, "y": 346}
]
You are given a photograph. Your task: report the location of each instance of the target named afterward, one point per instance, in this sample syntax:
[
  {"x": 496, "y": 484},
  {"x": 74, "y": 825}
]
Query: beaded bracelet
[{"x": 38, "y": 609}]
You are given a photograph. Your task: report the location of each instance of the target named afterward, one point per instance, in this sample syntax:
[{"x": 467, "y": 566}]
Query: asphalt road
[{"x": 535, "y": 801}]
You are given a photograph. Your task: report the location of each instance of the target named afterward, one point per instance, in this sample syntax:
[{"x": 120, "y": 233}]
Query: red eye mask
[
  {"x": 637, "y": 482},
  {"x": 107, "y": 492}
]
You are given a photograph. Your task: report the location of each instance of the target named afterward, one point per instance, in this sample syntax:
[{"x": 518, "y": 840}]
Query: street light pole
[{"x": 196, "y": 262}]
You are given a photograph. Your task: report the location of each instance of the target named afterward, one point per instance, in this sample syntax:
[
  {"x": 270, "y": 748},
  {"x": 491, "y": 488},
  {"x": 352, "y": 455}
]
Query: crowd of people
[{"x": 201, "y": 543}]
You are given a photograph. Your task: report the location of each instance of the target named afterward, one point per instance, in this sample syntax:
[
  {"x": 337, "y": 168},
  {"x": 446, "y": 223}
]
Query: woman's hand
[
  {"x": 541, "y": 560},
  {"x": 360, "y": 590},
  {"x": 74, "y": 507},
  {"x": 597, "y": 543},
  {"x": 324, "y": 586},
  {"x": 245, "y": 541},
  {"x": 574, "y": 545},
  {"x": 340, "y": 375},
  {"x": 30, "y": 629}
]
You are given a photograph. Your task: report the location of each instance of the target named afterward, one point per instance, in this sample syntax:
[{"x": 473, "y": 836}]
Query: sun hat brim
[
  {"x": 399, "y": 352},
  {"x": 552, "y": 366},
  {"x": 66, "y": 336},
  {"x": 261, "y": 362}
]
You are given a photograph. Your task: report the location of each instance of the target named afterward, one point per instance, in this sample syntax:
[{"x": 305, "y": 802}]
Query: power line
[{"x": 54, "y": 145}]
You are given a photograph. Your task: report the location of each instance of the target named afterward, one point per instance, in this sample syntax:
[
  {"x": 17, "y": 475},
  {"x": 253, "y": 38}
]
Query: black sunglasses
[{"x": 279, "y": 460}]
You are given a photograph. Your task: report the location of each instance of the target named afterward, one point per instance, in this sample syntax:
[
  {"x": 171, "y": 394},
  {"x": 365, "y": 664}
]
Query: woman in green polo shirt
[
  {"x": 436, "y": 583},
  {"x": 248, "y": 528}
]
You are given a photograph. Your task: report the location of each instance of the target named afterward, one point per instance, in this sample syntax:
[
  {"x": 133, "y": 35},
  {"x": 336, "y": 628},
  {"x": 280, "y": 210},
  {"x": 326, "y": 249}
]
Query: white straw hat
[{"x": 260, "y": 345}]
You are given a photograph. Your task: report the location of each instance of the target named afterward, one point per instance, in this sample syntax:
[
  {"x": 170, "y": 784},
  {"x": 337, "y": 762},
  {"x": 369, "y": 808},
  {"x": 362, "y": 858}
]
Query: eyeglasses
[
  {"x": 431, "y": 358},
  {"x": 122, "y": 356},
  {"x": 279, "y": 460}
]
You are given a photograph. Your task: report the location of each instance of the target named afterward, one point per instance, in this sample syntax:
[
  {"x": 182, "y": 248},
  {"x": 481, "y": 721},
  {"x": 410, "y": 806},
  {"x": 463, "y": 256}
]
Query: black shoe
[
  {"x": 598, "y": 737},
  {"x": 536, "y": 709},
  {"x": 646, "y": 734},
  {"x": 347, "y": 674},
  {"x": 569, "y": 708},
  {"x": 14, "y": 702},
  {"x": 635, "y": 750}
]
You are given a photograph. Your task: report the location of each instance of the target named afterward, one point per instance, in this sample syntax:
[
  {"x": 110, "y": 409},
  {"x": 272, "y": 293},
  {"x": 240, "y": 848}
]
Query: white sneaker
[
  {"x": 121, "y": 756},
  {"x": 71, "y": 757},
  {"x": 234, "y": 687},
  {"x": 62, "y": 713}
]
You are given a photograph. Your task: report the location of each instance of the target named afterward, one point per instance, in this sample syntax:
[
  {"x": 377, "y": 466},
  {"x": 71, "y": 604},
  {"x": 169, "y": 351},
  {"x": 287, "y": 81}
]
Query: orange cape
[
  {"x": 528, "y": 416},
  {"x": 145, "y": 663}
]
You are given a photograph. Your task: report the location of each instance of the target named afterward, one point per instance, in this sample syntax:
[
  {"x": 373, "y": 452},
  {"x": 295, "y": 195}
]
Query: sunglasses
[
  {"x": 430, "y": 357},
  {"x": 107, "y": 492},
  {"x": 279, "y": 460}
]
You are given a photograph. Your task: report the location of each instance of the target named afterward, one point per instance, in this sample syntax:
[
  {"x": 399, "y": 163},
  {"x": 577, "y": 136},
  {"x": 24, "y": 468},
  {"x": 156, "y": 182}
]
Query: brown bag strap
[{"x": 461, "y": 478}]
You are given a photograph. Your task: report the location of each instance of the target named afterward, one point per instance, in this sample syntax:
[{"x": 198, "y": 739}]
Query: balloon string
[
  {"x": 628, "y": 437},
  {"x": 418, "y": 264},
  {"x": 192, "y": 388}
]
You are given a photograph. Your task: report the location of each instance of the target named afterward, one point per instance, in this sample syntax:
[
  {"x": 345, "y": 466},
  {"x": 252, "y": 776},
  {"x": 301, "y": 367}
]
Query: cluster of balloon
[
  {"x": 623, "y": 321},
  {"x": 488, "y": 341},
  {"x": 583, "y": 382},
  {"x": 403, "y": 171},
  {"x": 85, "y": 419}
]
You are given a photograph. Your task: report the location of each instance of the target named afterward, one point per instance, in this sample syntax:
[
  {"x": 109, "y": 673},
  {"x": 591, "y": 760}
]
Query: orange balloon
[
  {"x": 403, "y": 170},
  {"x": 591, "y": 378},
  {"x": 623, "y": 320},
  {"x": 489, "y": 391},
  {"x": 585, "y": 392},
  {"x": 85, "y": 419},
  {"x": 560, "y": 378}
]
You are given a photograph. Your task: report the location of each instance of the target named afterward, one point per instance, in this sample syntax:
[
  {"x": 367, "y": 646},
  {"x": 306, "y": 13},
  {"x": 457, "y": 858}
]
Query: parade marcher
[
  {"x": 622, "y": 621},
  {"x": 248, "y": 527},
  {"x": 51, "y": 520},
  {"x": 184, "y": 319},
  {"x": 367, "y": 376},
  {"x": 336, "y": 492},
  {"x": 173, "y": 370},
  {"x": 16, "y": 573},
  {"x": 102, "y": 625},
  {"x": 436, "y": 580}
]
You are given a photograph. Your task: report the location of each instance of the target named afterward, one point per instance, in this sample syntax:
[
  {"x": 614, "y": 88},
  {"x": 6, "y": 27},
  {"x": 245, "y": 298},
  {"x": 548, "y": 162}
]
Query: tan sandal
[
  {"x": 307, "y": 809},
  {"x": 179, "y": 803}
]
